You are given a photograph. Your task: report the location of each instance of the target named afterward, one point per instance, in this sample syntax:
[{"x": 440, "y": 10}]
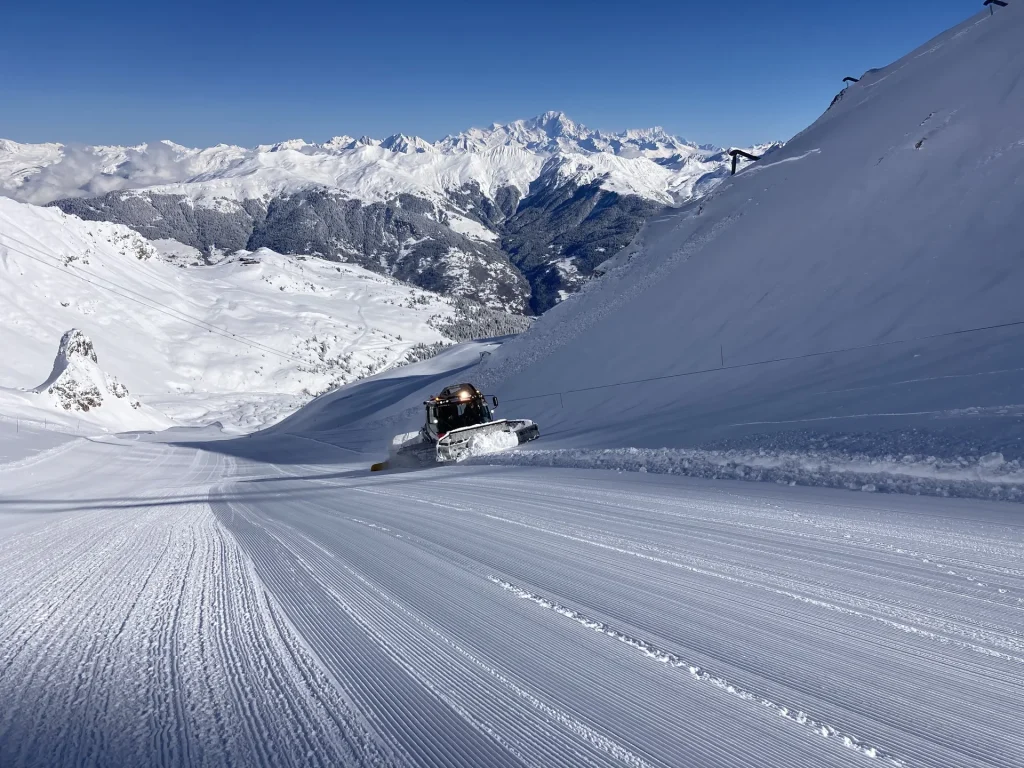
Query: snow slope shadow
[
  {"x": 340, "y": 426},
  {"x": 39, "y": 505}
]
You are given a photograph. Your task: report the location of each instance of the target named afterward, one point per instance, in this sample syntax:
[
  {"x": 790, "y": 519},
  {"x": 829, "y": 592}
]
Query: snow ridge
[
  {"x": 704, "y": 676},
  {"x": 985, "y": 477}
]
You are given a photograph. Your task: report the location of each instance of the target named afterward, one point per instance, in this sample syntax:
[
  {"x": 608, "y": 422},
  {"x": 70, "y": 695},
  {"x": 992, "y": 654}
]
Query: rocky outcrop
[{"x": 76, "y": 382}]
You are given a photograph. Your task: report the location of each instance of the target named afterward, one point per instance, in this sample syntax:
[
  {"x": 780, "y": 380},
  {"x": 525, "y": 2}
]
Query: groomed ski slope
[
  {"x": 133, "y": 631},
  {"x": 182, "y": 605},
  {"x": 264, "y": 600}
]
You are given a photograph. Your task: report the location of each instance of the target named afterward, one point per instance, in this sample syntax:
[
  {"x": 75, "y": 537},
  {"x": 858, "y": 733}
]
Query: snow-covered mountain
[
  {"x": 844, "y": 313},
  {"x": 514, "y": 216},
  {"x": 555, "y": 132},
  {"x": 243, "y": 341}
]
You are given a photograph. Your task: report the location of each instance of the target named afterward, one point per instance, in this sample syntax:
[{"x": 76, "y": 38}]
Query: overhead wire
[
  {"x": 755, "y": 363},
  {"x": 153, "y": 304}
]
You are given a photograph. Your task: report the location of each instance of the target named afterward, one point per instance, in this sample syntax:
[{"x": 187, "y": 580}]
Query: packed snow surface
[{"x": 264, "y": 601}]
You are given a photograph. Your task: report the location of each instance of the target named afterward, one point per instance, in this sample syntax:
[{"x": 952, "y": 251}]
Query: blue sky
[{"x": 257, "y": 72}]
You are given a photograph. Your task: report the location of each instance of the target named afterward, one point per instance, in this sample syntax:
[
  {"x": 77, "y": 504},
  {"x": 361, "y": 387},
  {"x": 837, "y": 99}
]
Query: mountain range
[{"x": 515, "y": 216}]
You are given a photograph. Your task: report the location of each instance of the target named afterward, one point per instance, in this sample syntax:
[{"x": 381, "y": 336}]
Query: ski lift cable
[
  {"x": 756, "y": 363},
  {"x": 99, "y": 281},
  {"x": 153, "y": 304},
  {"x": 170, "y": 312}
]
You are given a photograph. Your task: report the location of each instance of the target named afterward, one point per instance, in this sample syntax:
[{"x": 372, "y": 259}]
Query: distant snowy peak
[
  {"x": 550, "y": 133},
  {"x": 407, "y": 144},
  {"x": 497, "y": 215},
  {"x": 365, "y": 168},
  {"x": 295, "y": 144},
  {"x": 555, "y": 132},
  {"x": 338, "y": 143},
  {"x": 19, "y": 161},
  {"x": 41, "y": 173}
]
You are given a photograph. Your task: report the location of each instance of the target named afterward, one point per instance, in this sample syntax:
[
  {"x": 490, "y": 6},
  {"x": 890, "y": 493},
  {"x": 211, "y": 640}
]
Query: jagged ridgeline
[{"x": 515, "y": 216}]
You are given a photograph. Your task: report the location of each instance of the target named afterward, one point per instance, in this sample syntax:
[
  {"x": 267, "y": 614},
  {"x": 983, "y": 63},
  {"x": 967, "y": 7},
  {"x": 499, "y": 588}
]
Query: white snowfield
[{"x": 242, "y": 342}]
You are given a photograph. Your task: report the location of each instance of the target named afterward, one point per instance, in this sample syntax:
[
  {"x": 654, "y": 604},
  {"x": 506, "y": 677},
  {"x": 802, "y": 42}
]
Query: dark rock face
[
  {"x": 560, "y": 233},
  {"x": 405, "y": 237},
  {"x": 226, "y": 228},
  {"x": 74, "y": 344},
  {"x": 550, "y": 241}
]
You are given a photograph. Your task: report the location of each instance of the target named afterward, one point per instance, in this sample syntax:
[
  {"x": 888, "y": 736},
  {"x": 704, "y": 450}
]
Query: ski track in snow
[
  {"x": 40, "y": 456},
  {"x": 172, "y": 606},
  {"x": 133, "y": 632}
]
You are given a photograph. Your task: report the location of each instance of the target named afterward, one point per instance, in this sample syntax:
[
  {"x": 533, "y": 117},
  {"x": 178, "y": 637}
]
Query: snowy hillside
[
  {"x": 471, "y": 215},
  {"x": 857, "y": 293},
  {"x": 243, "y": 341},
  {"x": 846, "y": 311}
]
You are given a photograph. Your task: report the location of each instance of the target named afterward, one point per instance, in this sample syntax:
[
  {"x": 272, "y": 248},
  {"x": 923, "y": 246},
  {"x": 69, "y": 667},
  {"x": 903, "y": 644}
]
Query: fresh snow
[{"x": 856, "y": 291}]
